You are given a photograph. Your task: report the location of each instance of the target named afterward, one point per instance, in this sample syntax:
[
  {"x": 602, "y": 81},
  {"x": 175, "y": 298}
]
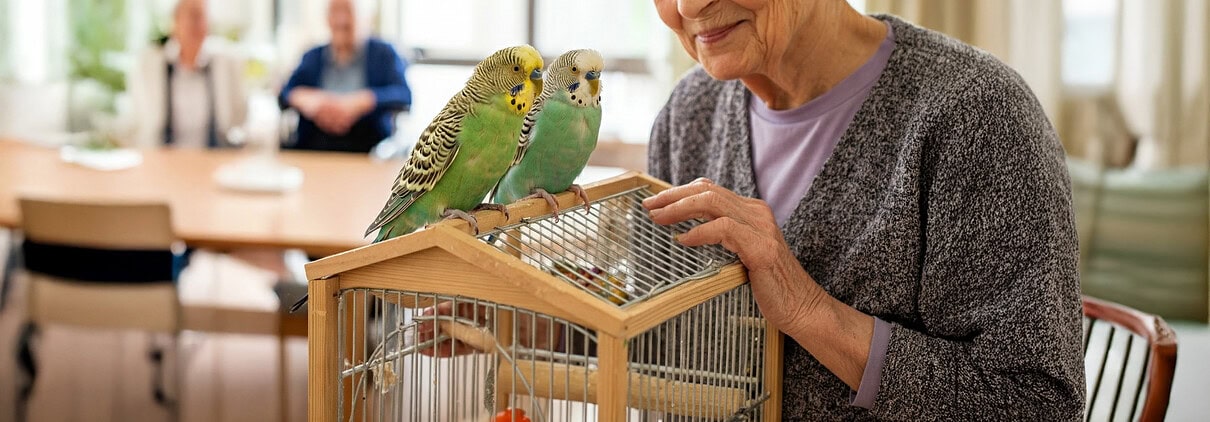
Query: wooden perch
[{"x": 579, "y": 383}]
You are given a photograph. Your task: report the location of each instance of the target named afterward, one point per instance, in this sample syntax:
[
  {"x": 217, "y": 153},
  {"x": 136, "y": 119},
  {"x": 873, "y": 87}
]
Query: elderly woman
[{"x": 900, "y": 202}]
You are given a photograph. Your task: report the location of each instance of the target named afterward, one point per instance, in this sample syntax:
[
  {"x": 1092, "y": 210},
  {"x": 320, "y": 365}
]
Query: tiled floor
[{"x": 89, "y": 376}]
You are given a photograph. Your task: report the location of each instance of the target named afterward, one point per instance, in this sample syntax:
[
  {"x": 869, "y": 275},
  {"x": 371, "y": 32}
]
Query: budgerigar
[
  {"x": 467, "y": 147},
  {"x": 560, "y": 132}
]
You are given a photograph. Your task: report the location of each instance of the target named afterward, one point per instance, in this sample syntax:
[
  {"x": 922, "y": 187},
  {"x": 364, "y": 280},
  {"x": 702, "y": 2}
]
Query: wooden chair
[
  {"x": 1130, "y": 357},
  {"x": 105, "y": 266}
]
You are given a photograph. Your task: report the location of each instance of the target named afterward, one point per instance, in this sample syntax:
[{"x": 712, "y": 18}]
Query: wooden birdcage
[{"x": 596, "y": 315}]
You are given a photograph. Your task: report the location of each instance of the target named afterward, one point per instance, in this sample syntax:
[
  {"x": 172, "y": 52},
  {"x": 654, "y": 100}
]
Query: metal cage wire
[
  {"x": 613, "y": 251},
  {"x": 703, "y": 364}
]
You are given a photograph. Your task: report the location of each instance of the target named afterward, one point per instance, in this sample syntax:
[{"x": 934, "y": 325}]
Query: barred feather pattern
[
  {"x": 558, "y": 76},
  {"x": 438, "y": 143}
]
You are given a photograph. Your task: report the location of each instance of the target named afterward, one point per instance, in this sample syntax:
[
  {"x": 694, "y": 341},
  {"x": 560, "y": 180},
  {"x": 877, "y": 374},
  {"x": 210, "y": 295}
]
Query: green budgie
[
  {"x": 559, "y": 134},
  {"x": 466, "y": 148}
]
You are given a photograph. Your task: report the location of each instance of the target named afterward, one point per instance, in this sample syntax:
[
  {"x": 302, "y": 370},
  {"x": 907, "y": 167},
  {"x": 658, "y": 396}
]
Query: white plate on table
[
  {"x": 259, "y": 175},
  {"x": 101, "y": 159}
]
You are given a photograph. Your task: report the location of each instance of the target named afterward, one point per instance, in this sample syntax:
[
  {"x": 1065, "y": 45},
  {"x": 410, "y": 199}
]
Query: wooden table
[{"x": 340, "y": 195}]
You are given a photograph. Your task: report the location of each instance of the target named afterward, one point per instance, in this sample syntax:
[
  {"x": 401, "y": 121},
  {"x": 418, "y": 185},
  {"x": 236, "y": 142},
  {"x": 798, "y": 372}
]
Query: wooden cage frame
[{"x": 447, "y": 250}]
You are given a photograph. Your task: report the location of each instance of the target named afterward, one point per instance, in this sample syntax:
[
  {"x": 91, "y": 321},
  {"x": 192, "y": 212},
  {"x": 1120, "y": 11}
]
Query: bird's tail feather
[{"x": 394, "y": 207}]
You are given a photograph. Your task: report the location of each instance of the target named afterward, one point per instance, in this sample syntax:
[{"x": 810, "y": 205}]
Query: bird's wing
[
  {"x": 429, "y": 160},
  {"x": 527, "y": 127}
]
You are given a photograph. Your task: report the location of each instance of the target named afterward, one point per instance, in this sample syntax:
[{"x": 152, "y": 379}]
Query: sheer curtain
[
  {"x": 1162, "y": 84},
  {"x": 1159, "y": 95},
  {"x": 1025, "y": 34},
  {"x": 33, "y": 72}
]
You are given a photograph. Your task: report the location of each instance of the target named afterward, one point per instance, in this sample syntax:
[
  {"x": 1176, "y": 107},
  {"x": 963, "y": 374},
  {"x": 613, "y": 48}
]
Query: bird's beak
[
  {"x": 594, "y": 82},
  {"x": 536, "y": 76}
]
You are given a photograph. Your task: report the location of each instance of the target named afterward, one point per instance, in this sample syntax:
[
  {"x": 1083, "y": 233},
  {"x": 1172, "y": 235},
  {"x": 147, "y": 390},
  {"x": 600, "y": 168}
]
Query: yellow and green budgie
[
  {"x": 559, "y": 134},
  {"x": 467, "y": 147}
]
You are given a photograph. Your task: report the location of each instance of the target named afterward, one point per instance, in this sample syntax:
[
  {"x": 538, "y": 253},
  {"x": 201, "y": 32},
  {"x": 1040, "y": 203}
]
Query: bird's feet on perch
[
  {"x": 579, "y": 191},
  {"x": 550, "y": 200},
  {"x": 453, "y": 213},
  {"x": 494, "y": 207}
]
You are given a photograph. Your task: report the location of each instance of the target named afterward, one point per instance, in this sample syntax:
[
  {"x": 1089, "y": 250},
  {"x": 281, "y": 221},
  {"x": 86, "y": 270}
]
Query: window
[
  {"x": 4, "y": 58},
  {"x": 858, "y": 4},
  {"x": 35, "y": 33},
  {"x": 464, "y": 31},
  {"x": 461, "y": 30},
  {"x": 444, "y": 40},
  {"x": 1090, "y": 30},
  {"x": 620, "y": 30}
]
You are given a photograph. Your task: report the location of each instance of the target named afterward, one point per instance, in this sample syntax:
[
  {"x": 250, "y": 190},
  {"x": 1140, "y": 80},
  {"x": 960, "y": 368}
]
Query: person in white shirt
[{"x": 186, "y": 93}]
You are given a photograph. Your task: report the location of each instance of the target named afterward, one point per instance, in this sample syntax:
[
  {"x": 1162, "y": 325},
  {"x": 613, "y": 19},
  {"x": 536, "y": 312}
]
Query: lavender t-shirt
[{"x": 790, "y": 148}]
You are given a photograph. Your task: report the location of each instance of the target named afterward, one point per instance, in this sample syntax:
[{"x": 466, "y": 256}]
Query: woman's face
[
  {"x": 725, "y": 36},
  {"x": 730, "y": 38}
]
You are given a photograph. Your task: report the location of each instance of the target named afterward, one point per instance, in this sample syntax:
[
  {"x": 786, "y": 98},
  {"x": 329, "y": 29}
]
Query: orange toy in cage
[{"x": 596, "y": 315}]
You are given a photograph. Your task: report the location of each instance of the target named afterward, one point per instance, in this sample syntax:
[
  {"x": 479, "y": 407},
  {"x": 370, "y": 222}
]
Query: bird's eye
[
  {"x": 573, "y": 69},
  {"x": 516, "y": 68}
]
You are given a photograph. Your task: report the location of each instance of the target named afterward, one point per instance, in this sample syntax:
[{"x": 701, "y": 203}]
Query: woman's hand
[
  {"x": 531, "y": 331},
  {"x": 835, "y": 333},
  {"x": 427, "y": 329},
  {"x": 785, "y": 293}
]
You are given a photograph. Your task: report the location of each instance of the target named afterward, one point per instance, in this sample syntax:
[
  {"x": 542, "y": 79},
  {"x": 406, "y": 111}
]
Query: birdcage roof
[{"x": 529, "y": 262}]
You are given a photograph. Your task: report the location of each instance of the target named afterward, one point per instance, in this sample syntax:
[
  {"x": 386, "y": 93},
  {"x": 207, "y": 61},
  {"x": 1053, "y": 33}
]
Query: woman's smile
[{"x": 711, "y": 36}]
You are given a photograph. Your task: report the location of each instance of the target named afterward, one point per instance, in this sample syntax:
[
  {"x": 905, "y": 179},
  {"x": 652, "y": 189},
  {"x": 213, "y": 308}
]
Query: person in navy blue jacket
[{"x": 347, "y": 92}]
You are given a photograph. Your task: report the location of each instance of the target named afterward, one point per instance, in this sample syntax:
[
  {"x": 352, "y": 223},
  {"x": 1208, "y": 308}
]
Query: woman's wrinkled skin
[{"x": 787, "y": 52}]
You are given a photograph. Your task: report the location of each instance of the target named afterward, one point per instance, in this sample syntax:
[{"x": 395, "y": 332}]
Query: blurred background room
[{"x": 87, "y": 94}]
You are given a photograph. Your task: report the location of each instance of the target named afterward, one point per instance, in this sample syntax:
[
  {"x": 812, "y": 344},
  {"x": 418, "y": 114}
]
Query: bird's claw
[
  {"x": 579, "y": 191},
  {"x": 494, "y": 207},
  {"x": 451, "y": 213},
  {"x": 550, "y": 201}
]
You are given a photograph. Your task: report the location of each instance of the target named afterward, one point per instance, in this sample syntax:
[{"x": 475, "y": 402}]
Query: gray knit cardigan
[{"x": 945, "y": 210}]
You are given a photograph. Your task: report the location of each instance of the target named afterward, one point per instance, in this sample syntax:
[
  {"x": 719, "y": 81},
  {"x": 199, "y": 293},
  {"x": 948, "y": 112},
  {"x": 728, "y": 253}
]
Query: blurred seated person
[
  {"x": 186, "y": 93},
  {"x": 347, "y": 92}
]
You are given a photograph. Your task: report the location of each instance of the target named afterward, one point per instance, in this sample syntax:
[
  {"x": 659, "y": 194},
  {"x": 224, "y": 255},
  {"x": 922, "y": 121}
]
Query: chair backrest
[
  {"x": 131, "y": 226},
  {"x": 100, "y": 264},
  {"x": 1130, "y": 358}
]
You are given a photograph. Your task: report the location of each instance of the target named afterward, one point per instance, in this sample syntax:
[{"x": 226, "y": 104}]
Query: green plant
[{"x": 98, "y": 29}]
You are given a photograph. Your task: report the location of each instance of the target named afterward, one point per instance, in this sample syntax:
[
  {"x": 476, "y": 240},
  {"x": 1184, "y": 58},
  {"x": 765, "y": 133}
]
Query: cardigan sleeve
[
  {"x": 657, "y": 147},
  {"x": 999, "y": 288},
  {"x": 681, "y": 131}
]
